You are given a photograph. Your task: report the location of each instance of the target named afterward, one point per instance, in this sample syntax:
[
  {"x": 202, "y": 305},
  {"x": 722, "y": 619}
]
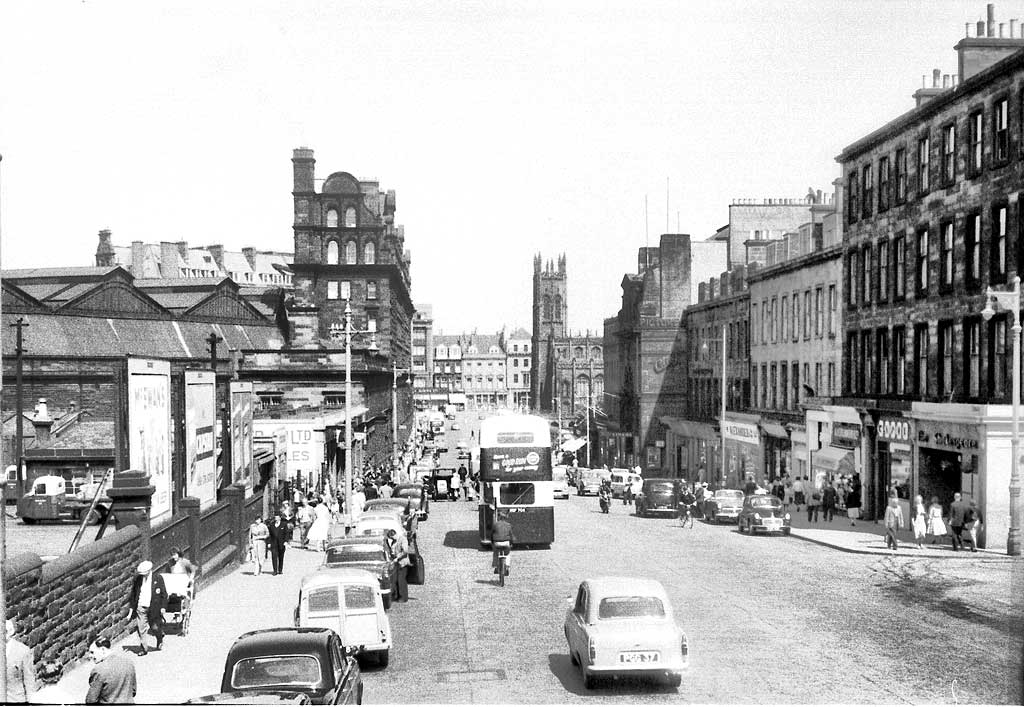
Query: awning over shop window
[
  {"x": 457, "y": 398},
  {"x": 688, "y": 428},
  {"x": 263, "y": 456},
  {"x": 830, "y": 458},
  {"x": 571, "y": 445},
  {"x": 774, "y": 429}
]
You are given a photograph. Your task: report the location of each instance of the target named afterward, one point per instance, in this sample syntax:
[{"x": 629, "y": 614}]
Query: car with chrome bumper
[
  {"x": 658, "y": 496},
  {"x": 724, "y": 505},
  {"x": 625, "y": 626},
  {"x": 763, "y": 514}
]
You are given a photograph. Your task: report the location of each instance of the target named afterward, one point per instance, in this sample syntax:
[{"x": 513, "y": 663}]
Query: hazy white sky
[{"x": 506, "y": 128}]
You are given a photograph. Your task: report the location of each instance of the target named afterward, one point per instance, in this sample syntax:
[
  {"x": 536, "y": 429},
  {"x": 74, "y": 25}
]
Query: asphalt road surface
[{"x": 769, "y": 619}]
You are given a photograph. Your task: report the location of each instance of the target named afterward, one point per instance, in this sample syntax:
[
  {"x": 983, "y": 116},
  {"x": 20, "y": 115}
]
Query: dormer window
[{"x": 350, "y": 217}]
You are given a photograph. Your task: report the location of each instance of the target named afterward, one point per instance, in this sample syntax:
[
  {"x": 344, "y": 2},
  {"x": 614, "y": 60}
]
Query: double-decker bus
[{"x": 515, "y": 477}]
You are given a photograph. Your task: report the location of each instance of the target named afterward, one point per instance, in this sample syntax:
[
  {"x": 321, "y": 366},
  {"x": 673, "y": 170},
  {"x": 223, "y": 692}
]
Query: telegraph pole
[
  {"x": 19, "y": 405},
  {"x": 3, "y": 533},
  {"x": 394, "y": 419}
]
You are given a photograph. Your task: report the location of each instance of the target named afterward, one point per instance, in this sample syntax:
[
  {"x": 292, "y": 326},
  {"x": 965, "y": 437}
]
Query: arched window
[
  {"x": 350, "y": 217},
  {"x": 558, "y": 308},
  {"x": 595, "y": 352},
  {"x": 370, "y": 253},
  {"x": 332, "y": 218},
  {"x": 578, "y": 352},
  {"x": 547, "y": 307},
  {"x": 332, "y": 252},
  {"x": 350, "y": 253}
]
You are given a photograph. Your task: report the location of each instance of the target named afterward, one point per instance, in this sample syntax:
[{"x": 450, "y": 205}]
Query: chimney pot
[
  {"x": 1002, "y": 30},
  {"x": 981, "y": 28},
  {"x": 945, "y": 80},
  {"x": 1012, "y": 28},
  {"x": 991, "y": 9},
  {"x": 936, "y": 73}
]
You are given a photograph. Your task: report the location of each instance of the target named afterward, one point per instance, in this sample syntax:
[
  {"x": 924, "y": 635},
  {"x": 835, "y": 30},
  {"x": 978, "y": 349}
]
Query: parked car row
[{"x": 752, "y": 514}]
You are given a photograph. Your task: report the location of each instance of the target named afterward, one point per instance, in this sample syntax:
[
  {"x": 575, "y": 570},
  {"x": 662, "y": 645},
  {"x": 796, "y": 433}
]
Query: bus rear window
[
  {"x": 514, "y": 438},
  {"x": 516, "y": 494}
]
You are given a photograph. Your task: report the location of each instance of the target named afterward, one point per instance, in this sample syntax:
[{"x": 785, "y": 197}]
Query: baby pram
[{"x": 180, "y": 595}]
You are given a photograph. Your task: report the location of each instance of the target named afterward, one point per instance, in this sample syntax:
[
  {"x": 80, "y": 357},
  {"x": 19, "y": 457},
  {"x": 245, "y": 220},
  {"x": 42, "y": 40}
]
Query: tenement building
[{"x": 932, "y": 211}]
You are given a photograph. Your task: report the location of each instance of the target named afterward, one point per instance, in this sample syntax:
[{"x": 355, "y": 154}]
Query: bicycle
[
  {"x": 503, "y": 549},
  {"x": 686, "y": 514}
]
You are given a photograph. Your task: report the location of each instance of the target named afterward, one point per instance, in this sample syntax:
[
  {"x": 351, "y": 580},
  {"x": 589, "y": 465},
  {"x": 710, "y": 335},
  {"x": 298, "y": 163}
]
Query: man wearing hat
[
  {"x": 147, "y": 603},
  {"x": 21, "y": 669}
]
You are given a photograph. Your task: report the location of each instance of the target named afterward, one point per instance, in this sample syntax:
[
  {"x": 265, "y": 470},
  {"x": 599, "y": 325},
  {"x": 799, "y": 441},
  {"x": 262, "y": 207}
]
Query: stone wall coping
[
  {"x": 22, "y": 563},
  {"x": 86, "y": 553}
]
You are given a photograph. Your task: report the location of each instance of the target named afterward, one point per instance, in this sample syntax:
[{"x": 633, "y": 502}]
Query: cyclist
[
  {"x": 686, "y": 502},
  {"x": 501, "y": 532}
]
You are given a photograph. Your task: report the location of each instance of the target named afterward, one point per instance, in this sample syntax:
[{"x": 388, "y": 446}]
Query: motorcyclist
[
  {"x": 604, "y": 495},
  {"x": 501, "y": 532}
]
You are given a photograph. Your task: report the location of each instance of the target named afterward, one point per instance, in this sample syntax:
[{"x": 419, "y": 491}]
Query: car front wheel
[{"x": 589, "y": 680}]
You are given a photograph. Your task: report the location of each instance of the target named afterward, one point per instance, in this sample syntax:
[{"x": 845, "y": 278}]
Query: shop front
[
  {"x": 836, "y": 445},
  {"x": 777, "y": 448},
  {"x": 798, "y": 452},
  {"x": 744, "y": 458},
  {"x": 894, "y": 454},
  {"x": 948, "y": 460},
  {"x": 693, "y": 449}
]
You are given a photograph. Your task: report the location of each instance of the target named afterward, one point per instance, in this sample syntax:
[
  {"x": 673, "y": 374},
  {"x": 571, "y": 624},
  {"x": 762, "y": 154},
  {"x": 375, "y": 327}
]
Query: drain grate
[{"x": 464, "y": 676}]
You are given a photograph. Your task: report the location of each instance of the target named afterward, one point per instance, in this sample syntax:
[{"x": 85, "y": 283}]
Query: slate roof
[{"x": 93, "y": 434}]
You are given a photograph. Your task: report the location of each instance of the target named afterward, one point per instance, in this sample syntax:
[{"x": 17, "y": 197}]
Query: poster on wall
[
  {"x": 149, "y": 427},
  {"x": 200, "y": 435},
  {"x": 241, "y": 435},
  {"x": 302, "y": 442}
]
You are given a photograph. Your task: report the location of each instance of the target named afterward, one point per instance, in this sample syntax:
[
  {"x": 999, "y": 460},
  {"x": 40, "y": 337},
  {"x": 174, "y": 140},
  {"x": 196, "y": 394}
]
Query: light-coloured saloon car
[{"x": 624, "y": 626}]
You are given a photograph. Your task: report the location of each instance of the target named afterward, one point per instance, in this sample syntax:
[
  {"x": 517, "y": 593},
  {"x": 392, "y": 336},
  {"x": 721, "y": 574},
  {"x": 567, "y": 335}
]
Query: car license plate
[
  {"x": 638, "y": 657},
  {"x": 773, "y": 523}
]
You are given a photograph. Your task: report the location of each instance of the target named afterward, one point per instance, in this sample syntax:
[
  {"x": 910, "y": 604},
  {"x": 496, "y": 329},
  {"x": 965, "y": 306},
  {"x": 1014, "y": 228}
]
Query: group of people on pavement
[{"x": 112, "y": 679}]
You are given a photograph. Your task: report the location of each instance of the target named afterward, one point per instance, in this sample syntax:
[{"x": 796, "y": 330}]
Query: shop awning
[
  {"x": 828, "y": 458},
  {"x": 457, "y": 398},
  {"x": 689, "y": 428},
  {"x": 774, "y": 429},
  {"x": 571, "y": 445},
  {"x": 263, "y": 456}
]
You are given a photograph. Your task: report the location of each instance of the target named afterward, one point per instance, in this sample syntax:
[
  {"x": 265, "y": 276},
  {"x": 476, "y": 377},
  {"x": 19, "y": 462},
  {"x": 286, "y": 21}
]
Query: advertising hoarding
[
  {"x": 200, "y": 437},
  {"x": 149, "y": 428},
  {"x": 303, "y": 442},
  {"x": 241, "y": 435}
]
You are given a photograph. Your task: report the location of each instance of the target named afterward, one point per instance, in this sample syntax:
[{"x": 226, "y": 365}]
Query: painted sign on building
[
  {"x": 845, "y": 435},
  {"x": 302, "y": 441},
  {"x": 200, "y": 437},
  {"x": 741, "y": 432},
  {"x": 241, "y": 435},
  {"x": 149, "y": 428}
]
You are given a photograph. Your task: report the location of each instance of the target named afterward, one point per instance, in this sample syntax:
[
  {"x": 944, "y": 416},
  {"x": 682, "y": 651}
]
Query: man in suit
[
  {"x": 957, "y": 512},
  {"x": 280, "y": 533},
  {"x": 147, "y": 603}
]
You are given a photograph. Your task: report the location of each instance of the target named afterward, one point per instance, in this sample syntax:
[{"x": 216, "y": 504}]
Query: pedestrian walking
[
  {"x": 280, "y": 532},
  {"x": 21, "y": 668},
  {"x": 321, "y": 528},
  {"x": 798, "y": 492},
  {"x": 829, "y": 498},
  {"x": 358, "y": 501},
  {"x": 182, "y": 565},
  {"x": 51, "y": 693},
  {"x": 813, "y": 503},
  {"x": 635, "y": 488},
  {"x": 787, "y": 497},
  {"x": 370, "y": 491},
  {"x": 936, "y": 526},
  {"x": 957, "y": 511},
  {"x": 385, "y": 490},
  {"x": 146, "y": 602},
  {"x": 893, "y": 522},
  {"x": 778, "y": 489},
  {"x": 112, "y": 680},
  {"x": 920, "y": 522},
  {"x": 258, "y": 536},
  {"x": 853, "y": 500},
  {"x": 400, "y": 550},
  {"x": 972, "y": 522},
  {"x": 305, "y": 519}
]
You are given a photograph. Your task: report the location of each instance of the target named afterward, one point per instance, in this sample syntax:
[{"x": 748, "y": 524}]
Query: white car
[
  {"x": 560, "y": 488},
  {"x": 622, "y": 479},
  {"x": 621, "y": 626}
]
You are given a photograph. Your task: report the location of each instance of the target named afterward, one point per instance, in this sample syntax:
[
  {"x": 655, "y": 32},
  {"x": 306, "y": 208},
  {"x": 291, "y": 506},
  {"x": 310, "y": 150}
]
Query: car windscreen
[
  {"x": 661, "y": 487},
  {"x": 630, "y": 607},
  {"x": 765, "y": 502},
  {"x": 275, "y": 670},
  {"x": 360, "y": 596},
  {"x": 738, "y": 495},
  {"x": 355, "y": 553}
]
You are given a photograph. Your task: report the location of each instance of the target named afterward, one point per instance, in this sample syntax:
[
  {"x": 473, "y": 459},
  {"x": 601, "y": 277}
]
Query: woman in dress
[
  {"x": 920, "y": 522},
  {"x": 258, "y": 535},
  {"x": 936, "y": 526},
  {"x": 321, "y": 528}
]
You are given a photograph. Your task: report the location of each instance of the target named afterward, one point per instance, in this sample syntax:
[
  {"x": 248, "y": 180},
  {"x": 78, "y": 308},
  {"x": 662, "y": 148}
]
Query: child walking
[{"x": 893, "y": 522}]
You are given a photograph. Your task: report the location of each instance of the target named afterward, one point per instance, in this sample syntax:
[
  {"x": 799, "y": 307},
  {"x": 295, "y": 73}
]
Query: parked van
[
  {"x": 621, "y": 479},
  {"x": 349, "y": 602}
]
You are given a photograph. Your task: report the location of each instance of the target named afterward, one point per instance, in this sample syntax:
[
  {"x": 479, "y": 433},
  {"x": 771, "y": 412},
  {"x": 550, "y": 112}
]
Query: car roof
[
  {"x": 356, "y": 540},
  {"x": 664, "y": 478},
  {"x": 326, "y": 576},
  {"x": 274, "y": 641},
  {"x": 616, "y": 586}
]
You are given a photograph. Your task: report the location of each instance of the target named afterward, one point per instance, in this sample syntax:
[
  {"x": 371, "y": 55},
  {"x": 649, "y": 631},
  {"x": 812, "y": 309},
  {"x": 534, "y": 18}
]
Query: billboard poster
[
  {"x": 200, "y": 436},
  {"x": 149, "y": 427},
  {"x": 241, "y": 434},
  {"x": 302, "y": 442}
]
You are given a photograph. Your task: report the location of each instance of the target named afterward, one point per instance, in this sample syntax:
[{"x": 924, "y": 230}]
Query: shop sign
[
  {"x": 948, "y": 436},
  {"x": 741, "y": 432},
  {"x": 845, "y": 435},
  {"x": 893, "y": 429}
]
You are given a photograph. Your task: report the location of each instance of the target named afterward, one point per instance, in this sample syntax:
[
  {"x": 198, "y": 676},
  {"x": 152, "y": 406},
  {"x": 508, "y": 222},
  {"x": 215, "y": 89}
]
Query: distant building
[
  {"x": 519, "y": 358},
  {"x": 423, "y": 347}
]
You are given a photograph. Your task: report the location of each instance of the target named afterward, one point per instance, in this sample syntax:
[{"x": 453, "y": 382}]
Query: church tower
[{"x": 550, "y": 310}]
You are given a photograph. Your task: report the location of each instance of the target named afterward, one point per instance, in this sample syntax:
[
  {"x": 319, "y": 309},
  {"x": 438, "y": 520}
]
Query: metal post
[
  {"x": 722, "y": 425},
  {"x": 19, "y": 406},
  {"x": 348, "y": 415},
  {"x": 394, "y": 415},
  {"x": 590, "y": 405},
  {"x": 1013, "y": 539}
]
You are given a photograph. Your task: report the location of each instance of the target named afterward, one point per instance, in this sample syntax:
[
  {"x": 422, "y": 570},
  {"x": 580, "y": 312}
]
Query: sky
[{"x": 506, "y": 128}]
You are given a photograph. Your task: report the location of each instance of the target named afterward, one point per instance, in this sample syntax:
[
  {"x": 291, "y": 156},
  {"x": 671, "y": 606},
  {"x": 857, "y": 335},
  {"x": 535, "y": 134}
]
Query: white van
[{"x": 621, "y": 479}]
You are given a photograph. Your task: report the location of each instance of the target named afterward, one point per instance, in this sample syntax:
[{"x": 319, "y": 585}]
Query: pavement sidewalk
[
  {"x": 228, "y": 605},
  {"x": 867, "y": 537}
]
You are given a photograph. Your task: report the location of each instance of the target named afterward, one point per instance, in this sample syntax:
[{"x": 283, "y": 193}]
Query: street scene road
[{"x": 769, "y": 619}]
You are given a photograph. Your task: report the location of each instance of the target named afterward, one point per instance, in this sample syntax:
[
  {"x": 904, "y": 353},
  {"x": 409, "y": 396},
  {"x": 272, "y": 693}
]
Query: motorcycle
[{"x": 605, "y": 500}]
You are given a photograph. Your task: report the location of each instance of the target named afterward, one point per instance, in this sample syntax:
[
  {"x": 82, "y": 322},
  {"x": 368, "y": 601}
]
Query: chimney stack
[
  {"x": 936, "y": 73},
  {"x": 945, "y": 80},
  {"x": 1013, "y": 29},
  {"x": 42, "y": 422},
  {"x": 1002, "y": 30},
  {"x": 991, "y": 19},
  {"x": 105, "y": 250},
  {"x": 981, "y": 28}
]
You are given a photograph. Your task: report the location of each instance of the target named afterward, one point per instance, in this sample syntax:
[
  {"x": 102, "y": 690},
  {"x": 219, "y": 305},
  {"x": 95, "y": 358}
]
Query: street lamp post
[
  {"x": 349, "y": 333},
  {"x": 1010, "y": 300},
  {"x": 395, "y": 370},
  {"x": 722, "y": 423}
]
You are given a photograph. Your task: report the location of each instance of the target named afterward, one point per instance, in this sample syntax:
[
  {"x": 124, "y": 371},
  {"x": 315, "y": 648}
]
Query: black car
[
  {"x": 419, "y": 496},
  {"x": 312, "y": 661},
  {"x": 366, "y": 552},
  {"x": 658, "y": 496}
]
